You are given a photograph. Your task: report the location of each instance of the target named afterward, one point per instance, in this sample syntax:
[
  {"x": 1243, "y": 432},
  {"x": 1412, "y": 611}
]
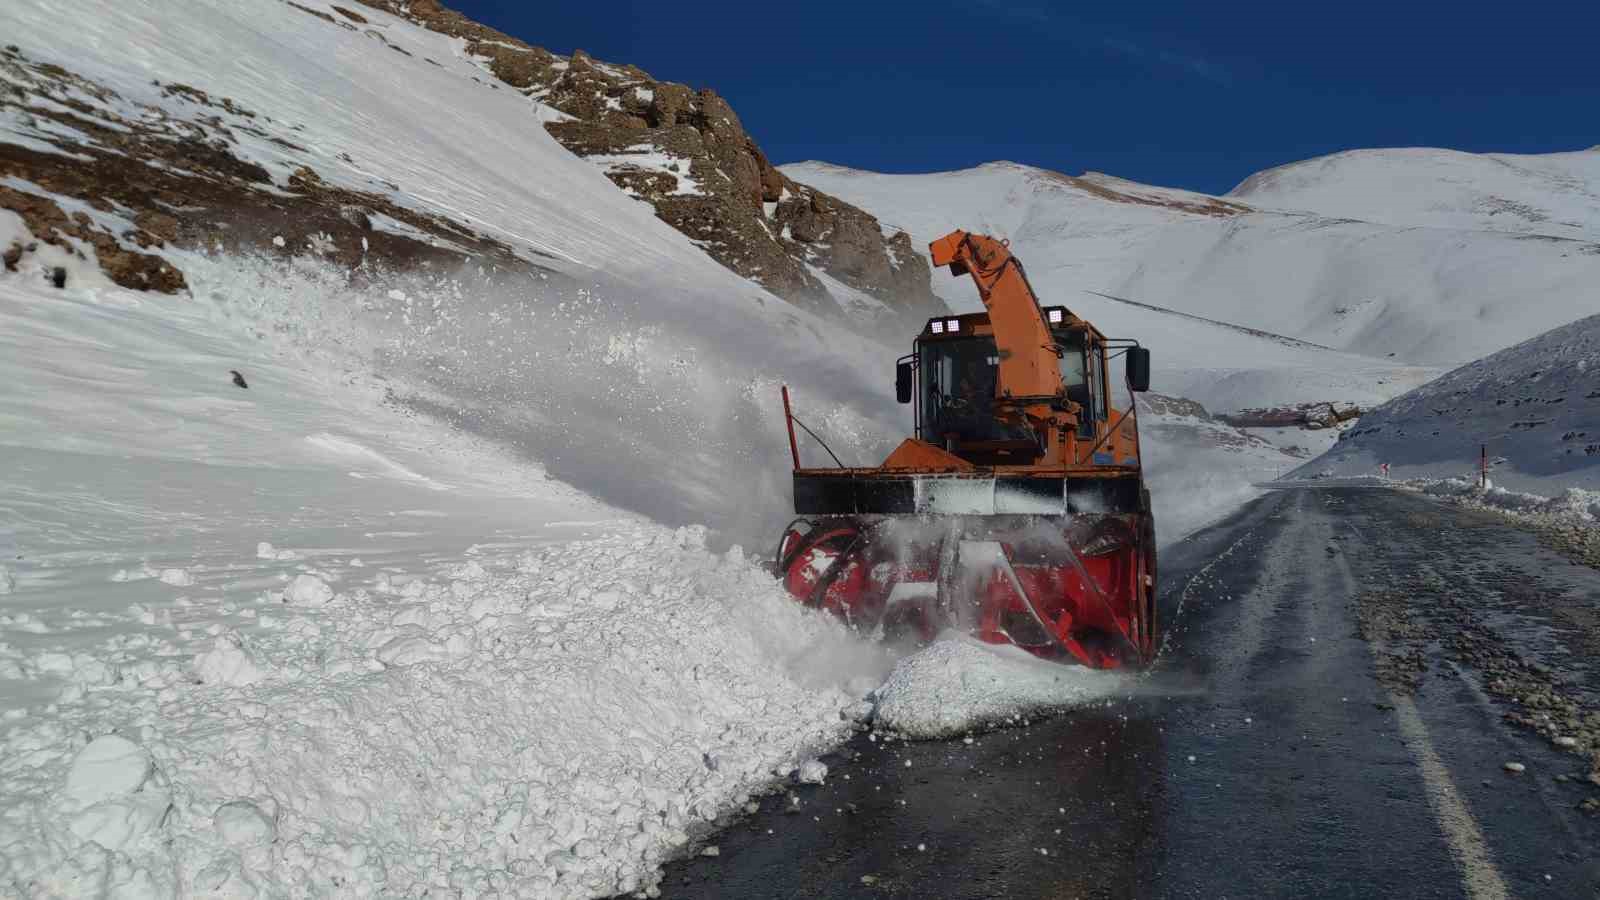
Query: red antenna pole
[{"x": 788, "y": 420}]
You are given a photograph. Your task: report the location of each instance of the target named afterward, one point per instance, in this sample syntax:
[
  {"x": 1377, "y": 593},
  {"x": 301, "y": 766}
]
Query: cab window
[{"x": 1081, "y": 379}]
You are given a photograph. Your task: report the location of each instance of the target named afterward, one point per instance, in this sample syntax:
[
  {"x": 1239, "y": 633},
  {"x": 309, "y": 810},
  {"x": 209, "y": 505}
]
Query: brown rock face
[
  {"x": 686, "y": 153},
  {"x": 170, "y": 179},
  {"x": 128, "y": 268}
]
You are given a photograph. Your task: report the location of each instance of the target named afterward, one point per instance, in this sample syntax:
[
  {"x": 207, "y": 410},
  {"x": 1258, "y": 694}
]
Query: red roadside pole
[
  {"x": 1483, "y": 466},
  {"x": 788, "y": 419}
]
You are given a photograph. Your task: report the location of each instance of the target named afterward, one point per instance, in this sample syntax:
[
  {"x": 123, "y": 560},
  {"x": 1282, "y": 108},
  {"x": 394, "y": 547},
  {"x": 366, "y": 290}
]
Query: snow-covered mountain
[
  {"x": 1535, "y": 406},
  {"x": 1433, "y": 275},
  {"x": 1556, "y": 194}
]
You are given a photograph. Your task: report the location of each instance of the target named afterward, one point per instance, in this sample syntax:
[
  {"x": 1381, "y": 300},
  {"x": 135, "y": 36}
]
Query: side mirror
[
  {"x": 1138, "y": 369},
  {"x": 903, "y": 381}
]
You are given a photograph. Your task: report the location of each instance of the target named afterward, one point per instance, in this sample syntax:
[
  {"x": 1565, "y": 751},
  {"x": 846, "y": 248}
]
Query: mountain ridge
[
  {"x": 1439, "y": 293},
  {"x": 685, "y": 152}
]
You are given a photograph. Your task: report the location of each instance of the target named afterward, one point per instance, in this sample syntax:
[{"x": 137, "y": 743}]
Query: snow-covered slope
[
  {"x": 680, "y": 399},
  {"x": 466, "y": 662},
  {"x": 1433, "y": 293},
  {"x": 368, "y": 110},
  {"x": 1555, "y": 194},
  {"x": 1536, "y": 406},
  {"x": 256, "y": 639}
]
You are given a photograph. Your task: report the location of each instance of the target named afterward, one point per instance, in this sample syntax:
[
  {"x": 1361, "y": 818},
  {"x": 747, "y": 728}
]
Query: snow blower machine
[{"x": 1017, "y": 512}]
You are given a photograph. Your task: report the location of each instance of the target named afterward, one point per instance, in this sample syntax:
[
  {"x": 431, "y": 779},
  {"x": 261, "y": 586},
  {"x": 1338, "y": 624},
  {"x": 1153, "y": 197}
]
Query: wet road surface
[{"x": 1328, "y": 720}]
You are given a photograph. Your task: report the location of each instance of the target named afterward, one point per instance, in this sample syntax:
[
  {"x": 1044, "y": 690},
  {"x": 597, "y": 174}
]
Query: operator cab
[{"x": 951, "y": 379}]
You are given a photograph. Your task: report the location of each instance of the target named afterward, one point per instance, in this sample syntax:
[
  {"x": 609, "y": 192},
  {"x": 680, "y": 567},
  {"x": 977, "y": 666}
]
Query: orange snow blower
[{"x": 1018, "y": 512}]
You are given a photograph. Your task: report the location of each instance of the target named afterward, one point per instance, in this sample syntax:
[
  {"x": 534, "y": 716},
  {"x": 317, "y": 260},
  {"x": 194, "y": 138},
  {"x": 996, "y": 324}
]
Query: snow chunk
[
  {"x": 241, "y": 823},
  {"x": 140, "y": 574},
  {"x": 176, "y": 577},
  {"x": 957, "y": 684},
  {"x": 111, "y": 766},
  {"x": 228, "y": 661},
  {"x": 812, "y": 771},
  {"x": 8, "y": 581},
  {"x": 265, "y": 550},
  {"x": 309, "y": 590},
  {"x": 115, "y": 825}
]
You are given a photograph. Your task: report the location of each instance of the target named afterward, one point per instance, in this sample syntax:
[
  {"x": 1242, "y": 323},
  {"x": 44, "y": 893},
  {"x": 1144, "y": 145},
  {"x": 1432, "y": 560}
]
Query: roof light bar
[
  {"x": 953, "y": 324},
  {"x": 1055, "y": 316},
  {"x": 937, "y": 328}
]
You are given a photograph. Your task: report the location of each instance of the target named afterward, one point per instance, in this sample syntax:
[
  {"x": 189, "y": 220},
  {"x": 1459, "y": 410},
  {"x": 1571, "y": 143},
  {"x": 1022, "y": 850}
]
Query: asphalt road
[{"x": 1328, "y": 720}]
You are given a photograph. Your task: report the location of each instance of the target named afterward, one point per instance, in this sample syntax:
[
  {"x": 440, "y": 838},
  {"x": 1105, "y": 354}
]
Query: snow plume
[
  {"x": 958, "y": 684},
  {"x": 656, "y": 399}
]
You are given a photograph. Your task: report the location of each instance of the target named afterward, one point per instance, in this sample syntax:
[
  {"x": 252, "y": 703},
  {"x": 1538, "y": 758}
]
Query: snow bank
[
  {"x": 959, "y": 684},
  {"x": 1535, "y": 406},
  {"x": 556, "y": 723},
  {"x": 1574, "y": 504}
]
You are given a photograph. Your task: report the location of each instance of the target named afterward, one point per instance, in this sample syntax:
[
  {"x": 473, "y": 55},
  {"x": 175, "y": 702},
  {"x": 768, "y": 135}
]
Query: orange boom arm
[{"x": 1029, "y": 379}]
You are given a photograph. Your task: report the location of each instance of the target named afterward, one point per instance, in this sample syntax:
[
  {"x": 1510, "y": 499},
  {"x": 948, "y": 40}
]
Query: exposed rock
[
  {"x": 1311, "y": 416},
  {"x": 129, "y": 268},
  {"x": 1162, "y": 404},
  {"x": 315, "y": 12},
  {"x": 686, "y": 153},
  {"x": 172, "y": 177}
]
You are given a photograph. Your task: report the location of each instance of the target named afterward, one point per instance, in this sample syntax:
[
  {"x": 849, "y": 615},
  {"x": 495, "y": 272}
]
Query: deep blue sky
[{"x": 1195, "y": 95}]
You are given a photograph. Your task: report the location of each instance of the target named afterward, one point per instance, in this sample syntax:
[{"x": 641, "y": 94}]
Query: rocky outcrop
[
  {"x": 1311, "y": 416},
  {"x": 1164, "y": 405},
  {"x": 686, "y": 153},
  {"x": 125, "y": 187}
]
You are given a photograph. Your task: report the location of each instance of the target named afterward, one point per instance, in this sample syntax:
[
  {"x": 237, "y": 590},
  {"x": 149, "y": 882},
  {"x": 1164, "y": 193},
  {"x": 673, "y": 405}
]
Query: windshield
[
  {"x": 958, "y": 387},
  {"x": 958, "y": 380}
]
